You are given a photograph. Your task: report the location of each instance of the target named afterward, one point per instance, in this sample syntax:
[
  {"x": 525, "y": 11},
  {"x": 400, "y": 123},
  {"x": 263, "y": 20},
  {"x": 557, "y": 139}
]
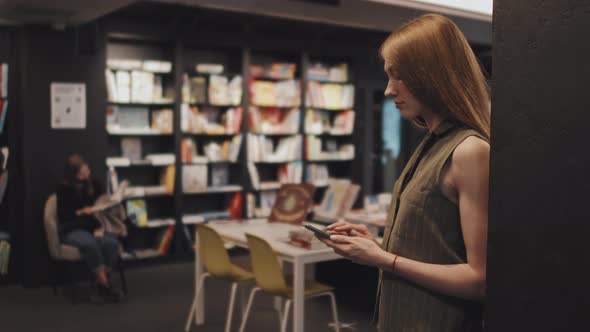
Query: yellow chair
[
  {"x": 217, "y": 263},
  {"x": 270, "y": 279}
]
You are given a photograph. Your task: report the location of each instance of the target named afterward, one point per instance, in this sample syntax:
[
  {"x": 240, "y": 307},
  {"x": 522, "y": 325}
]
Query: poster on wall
[{"x": 68, "y": 105}]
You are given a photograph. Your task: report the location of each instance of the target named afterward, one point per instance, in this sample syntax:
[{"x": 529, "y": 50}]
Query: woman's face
[
  {"x": 409, "y": 106},
  {"x": 84, "y": 173}
]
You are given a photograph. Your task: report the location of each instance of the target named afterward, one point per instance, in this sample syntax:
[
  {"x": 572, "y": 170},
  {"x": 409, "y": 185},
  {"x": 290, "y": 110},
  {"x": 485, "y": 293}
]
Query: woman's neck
[{"x": 432, "y": 120}]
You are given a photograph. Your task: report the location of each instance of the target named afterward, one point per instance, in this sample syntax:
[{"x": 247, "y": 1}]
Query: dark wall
[
  {"x": 56, "y": 56},
  {"x": 539, "y": 218}
]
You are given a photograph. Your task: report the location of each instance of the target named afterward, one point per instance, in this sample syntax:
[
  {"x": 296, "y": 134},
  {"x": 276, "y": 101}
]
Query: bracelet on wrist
[{"x": 393, "y": 264}]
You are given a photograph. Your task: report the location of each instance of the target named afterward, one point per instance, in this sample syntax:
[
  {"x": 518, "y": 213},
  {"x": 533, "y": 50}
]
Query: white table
[{"x": 275, "y": 234}]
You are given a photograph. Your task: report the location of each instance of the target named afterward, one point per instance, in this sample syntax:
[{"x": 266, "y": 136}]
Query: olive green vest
[{"x": 425, "y": 226}]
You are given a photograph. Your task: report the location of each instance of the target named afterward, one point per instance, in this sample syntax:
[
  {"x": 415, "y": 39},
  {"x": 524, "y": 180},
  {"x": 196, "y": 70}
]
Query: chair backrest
[
  {"x": 214, "y": 255},
  {"x": 265, "y": 264},
  {"x": 50, "y": 223}
]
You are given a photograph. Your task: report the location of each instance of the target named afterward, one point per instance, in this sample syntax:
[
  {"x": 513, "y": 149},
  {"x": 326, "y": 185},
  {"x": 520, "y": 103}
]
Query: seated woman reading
[{"x": 80, "y": 228}]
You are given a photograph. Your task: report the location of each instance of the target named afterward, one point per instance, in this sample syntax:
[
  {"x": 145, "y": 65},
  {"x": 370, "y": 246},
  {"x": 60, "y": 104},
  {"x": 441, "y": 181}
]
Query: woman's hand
[
  {"x": 358, "y": 249},
  {"x": 349, "y": 229}
]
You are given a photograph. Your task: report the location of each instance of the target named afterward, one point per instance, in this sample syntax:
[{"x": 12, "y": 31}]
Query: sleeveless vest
[{"x": 424, "y": 225}]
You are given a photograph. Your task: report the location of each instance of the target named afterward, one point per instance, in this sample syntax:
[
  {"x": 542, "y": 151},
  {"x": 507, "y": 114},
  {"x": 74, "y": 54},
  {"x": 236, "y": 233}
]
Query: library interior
[{"x": 292, "y": 165}]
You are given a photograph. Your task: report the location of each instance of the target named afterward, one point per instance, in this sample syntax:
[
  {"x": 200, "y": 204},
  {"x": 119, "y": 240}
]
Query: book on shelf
[
  {"x": 275, "y": 94},
  {"x": 4, "y": 80},
  {"x": 291, "y": 172},
  {"x": 275, "y": 70},
  {"x": 163, "y": 120},
  {"x": 188, "y": 149},
  {"x": 254, "y": 176},
  {"x": 194, "y": 178},
  {"x": 317, "y": 174},
  {"x": 267, "y": 199},
  {"x": 137, "y": 212},
  {"x": 149, "y": 65},
  {"x": 122, "y": 86},
  {"x": 210, "y": 120},
  {"x": 223, "y": 91},
  {"x": 157, "y": 66},
  {"x": 262, "y": 149},
  {"x": 196, "y": 218},
  {"x": 161, "y": 159},
  {"x": 273, "y": 120},
  {"x": 167, "y": 178},
  {"x": 318, "y": 122},
  {"x": 292, "y": 203},
  {"x": 219, "y": 175},
  {"x": 118, "y": 161},
  {"x": 142, "y": 86},
  {"x": 329, "y": 95},
  {"x": 3, "y": 112},
  {"x": 130, "y": 117},
  {"x": 164, "y": 239},
  {"x": 337, "y": 201},
  {"x": 4, "y": 154},
  {"x": 131, "y": 148},
  {"x": 322, "y": 72},
  {"x": 209, "y": 68},
  {"x": 235, "y": 206},
  {"x": 334, "y": 150}
]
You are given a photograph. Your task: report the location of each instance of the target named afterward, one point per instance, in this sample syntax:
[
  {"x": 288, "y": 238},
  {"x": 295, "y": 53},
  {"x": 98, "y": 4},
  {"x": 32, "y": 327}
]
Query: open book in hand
[{"x": 111, "y": 200}]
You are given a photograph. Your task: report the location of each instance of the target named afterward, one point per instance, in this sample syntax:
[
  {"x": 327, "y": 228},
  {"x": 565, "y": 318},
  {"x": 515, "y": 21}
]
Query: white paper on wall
[{"x": 68, "y": 105}]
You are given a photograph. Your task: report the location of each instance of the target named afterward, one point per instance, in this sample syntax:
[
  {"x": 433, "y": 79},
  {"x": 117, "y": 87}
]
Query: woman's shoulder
[{"x": 471, "y": 156}]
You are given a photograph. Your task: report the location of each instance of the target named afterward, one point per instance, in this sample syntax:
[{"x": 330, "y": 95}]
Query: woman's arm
[{"x": 469, "y": 172}]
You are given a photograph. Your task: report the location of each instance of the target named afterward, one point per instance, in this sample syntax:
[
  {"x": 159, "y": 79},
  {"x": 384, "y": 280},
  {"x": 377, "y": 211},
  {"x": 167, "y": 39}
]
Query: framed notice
[{"x": 68, "y": 105}]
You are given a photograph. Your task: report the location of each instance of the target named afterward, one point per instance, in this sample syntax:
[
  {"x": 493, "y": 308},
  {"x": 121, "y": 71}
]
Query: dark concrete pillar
[{"x": 539, "y": 239}]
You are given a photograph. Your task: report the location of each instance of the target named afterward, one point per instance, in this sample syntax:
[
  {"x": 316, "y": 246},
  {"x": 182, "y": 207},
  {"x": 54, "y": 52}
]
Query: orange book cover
[{"x": 292, "y": 203}]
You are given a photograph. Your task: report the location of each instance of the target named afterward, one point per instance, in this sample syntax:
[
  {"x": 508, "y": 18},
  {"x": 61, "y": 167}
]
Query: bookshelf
[
  {"x": 212, "y": 120},
  {"x": 274, "y": 140},
  {"x": 329, "y": 120},
  {"x": 140, "y": 116},
  {"x": 241, "y": 122}
]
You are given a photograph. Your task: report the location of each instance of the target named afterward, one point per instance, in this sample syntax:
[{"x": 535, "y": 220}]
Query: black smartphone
[{"x": 317, "y": 231}]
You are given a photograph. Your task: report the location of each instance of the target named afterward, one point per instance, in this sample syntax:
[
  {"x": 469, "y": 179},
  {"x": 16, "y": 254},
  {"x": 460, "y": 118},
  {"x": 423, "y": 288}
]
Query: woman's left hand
[{"x": 358, "y": 249}]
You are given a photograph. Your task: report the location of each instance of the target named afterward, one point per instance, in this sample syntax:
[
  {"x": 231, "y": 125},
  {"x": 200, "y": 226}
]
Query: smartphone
[{"x": 318, "y": 231}]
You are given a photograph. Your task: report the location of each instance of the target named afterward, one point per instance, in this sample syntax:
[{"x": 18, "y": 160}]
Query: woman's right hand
[{"x": 349, "y": 229}]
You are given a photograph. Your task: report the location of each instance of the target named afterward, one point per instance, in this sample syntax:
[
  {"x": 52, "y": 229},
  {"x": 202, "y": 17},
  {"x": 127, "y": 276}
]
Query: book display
[
  {"x": 329, "y": 122},
  {"x": 141, "y": 151}
]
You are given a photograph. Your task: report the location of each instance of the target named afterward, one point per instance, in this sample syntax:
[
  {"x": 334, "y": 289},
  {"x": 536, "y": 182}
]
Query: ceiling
[
  {"x": 56, "y": 12},
  {"x": 363, "y": 14}
]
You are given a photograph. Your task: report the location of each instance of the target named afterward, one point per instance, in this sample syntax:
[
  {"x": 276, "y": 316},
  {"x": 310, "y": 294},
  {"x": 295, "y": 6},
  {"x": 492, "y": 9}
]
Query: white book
[
  {"x": 161, "y": 159},
  {"x": 123, "y": 80},
  {"x": 118, "y": 161},
  {"x": 111, "y": 85}
]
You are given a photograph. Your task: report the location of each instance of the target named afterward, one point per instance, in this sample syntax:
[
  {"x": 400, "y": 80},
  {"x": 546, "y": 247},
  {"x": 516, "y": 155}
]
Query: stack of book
[{"x": 136, "y": 81}]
